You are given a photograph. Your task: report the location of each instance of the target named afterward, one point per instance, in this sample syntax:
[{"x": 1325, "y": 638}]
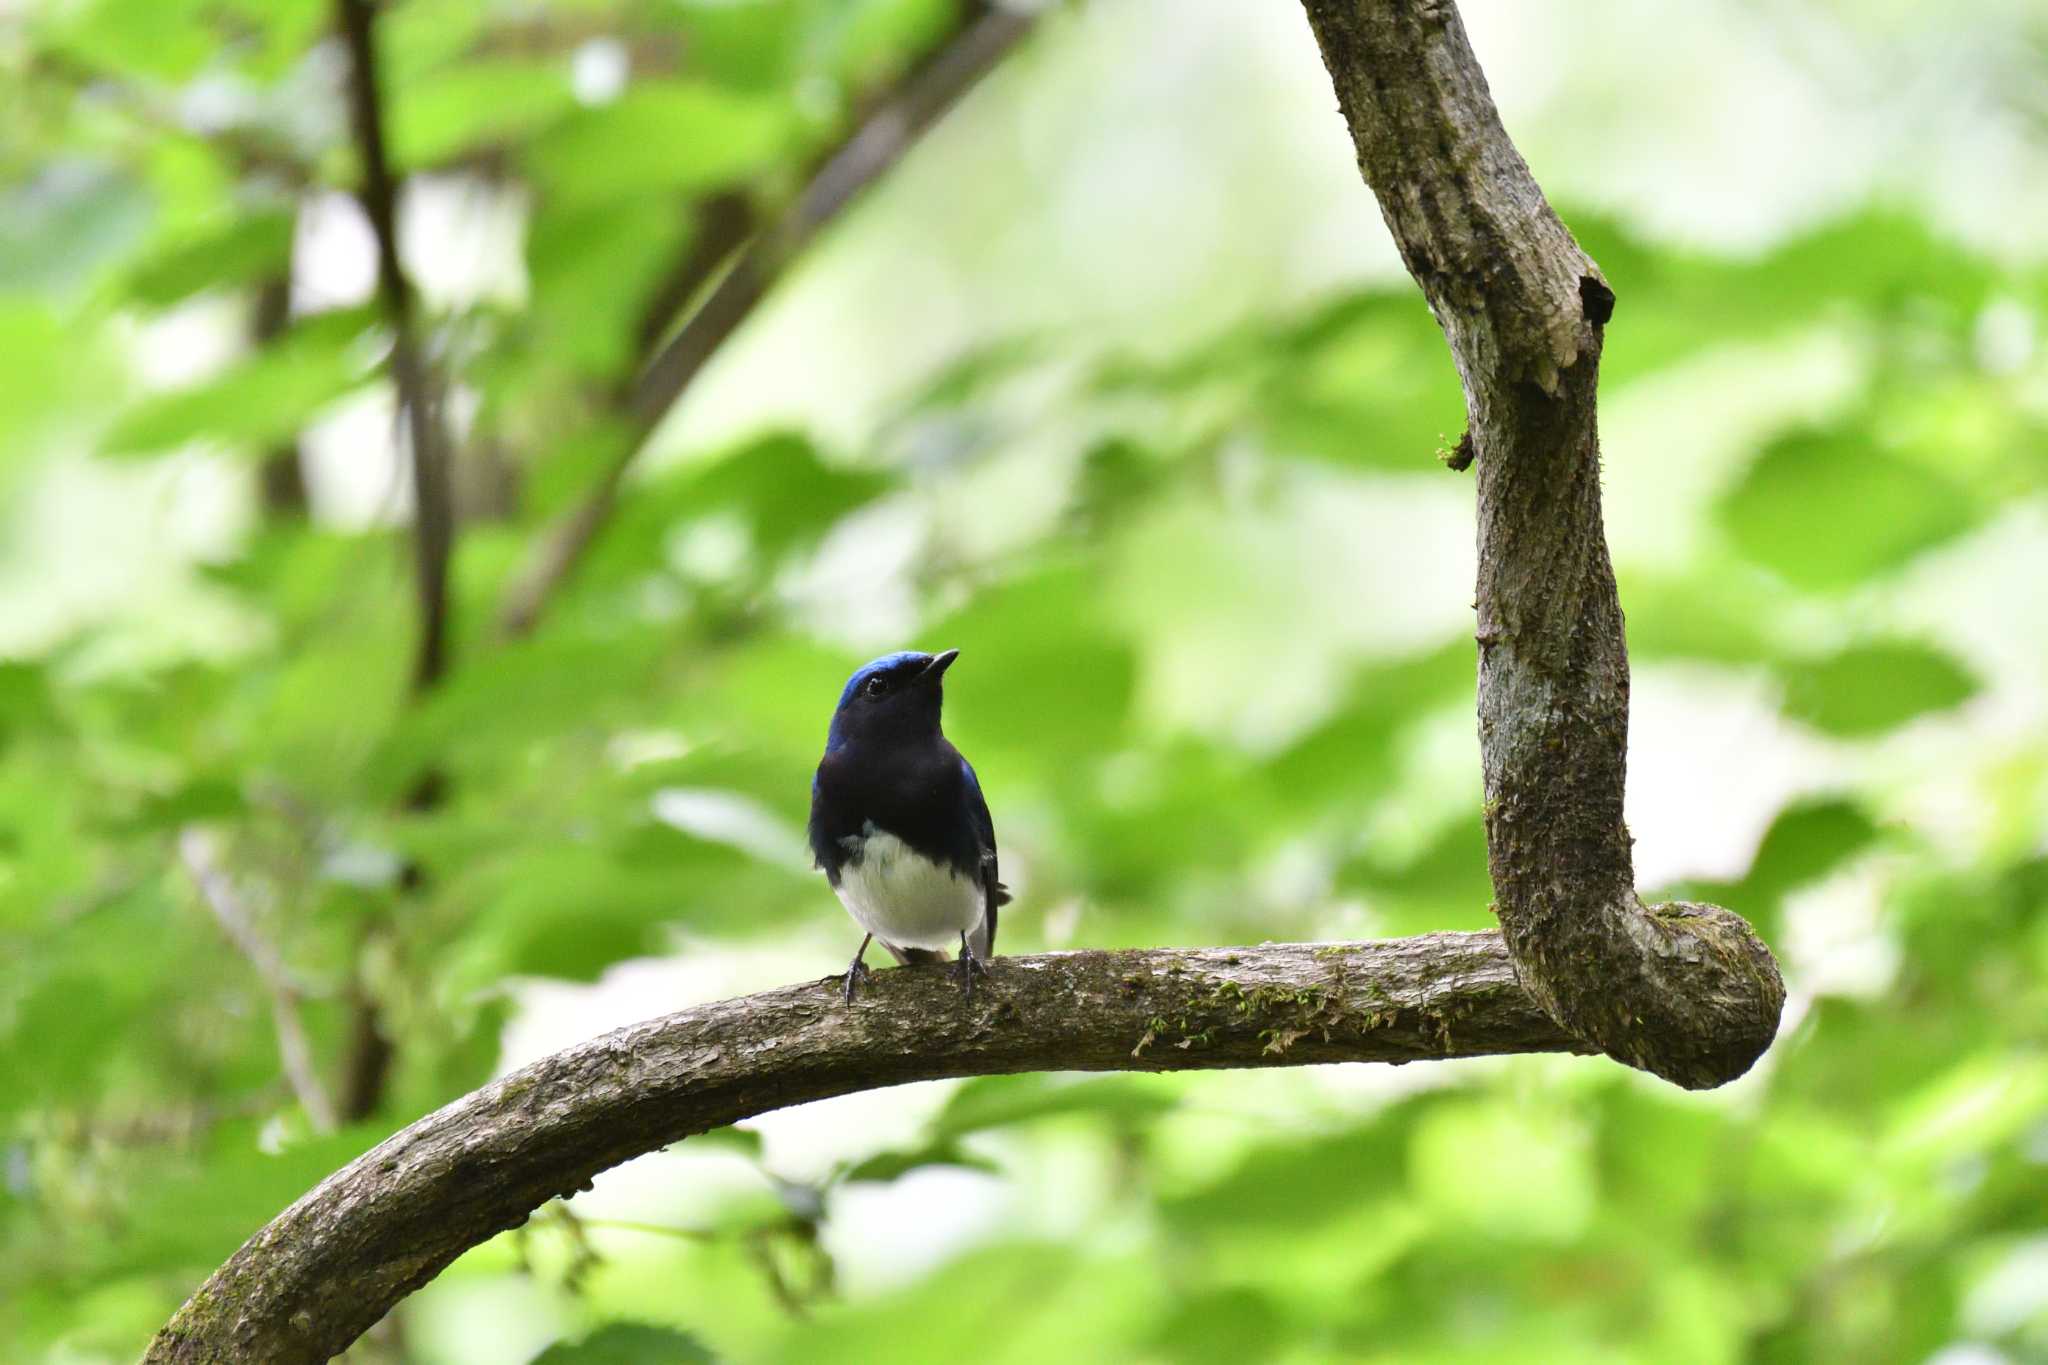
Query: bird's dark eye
[{"x": 877, "y": 685}]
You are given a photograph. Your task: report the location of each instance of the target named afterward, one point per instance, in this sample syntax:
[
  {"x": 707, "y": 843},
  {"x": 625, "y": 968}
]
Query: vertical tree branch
[
  {"x": 280, "y": 479},
  {"x": 370, "y": 1052},
  {"x": 875, "y": 146},
  {"x": 433, "y": 508},
  {"x": 1686, "y": 991}
]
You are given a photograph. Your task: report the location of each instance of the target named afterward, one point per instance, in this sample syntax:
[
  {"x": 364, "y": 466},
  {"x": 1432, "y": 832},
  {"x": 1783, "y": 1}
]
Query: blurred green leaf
[
  {"x": 536, "y": 689},
  {"x": 628, "y": 1343},
  {"x": 1349, "y": 756},
  {"x": 27, "y": 703},
  {"x": 1877, "y": 263},
  {"x": 457, "y": 108},
  {"x": 1444, "y": 885},
  {"x": 195, "y": 1216},
  {"x": 884, "y": 1167},
  {"x": 1871, "y": 688},
  {"x": 591, "y": 267},
  {"x": 1977, "y": 1104},
  {"x": 200, "y": 799},
  {"x": 1827, "y": 510},
  {"x": 1079, "y": 1307},
  {"x": 1224, "y": 1326},
  {"x": 64, "y": 1032},
  {"x": 249, "y": 246},
  {"x": 47, "y": 374},
  {"x": 660, "y": 135},
  {"x": 1515, "y": 1173},
  {"x": 1000, "y": 1101},
  {"x": 743, "y": 1140},
  {"x": 1710, "y": 617},
  {"x": 1808, "y": 840},
  {"x": 1294, "y": 1185},
  {"x": 1369, "y": 384},
  {"x": 1044, "y": 680},
  {"x": 1361, "y": 380},
  {"x": 569, "y": 910},
  {"x": 169, "y": 40},
  {"x": 270, "y": 395},
  {"x": 776, "y": 494},
  {"x": 59, "y": 229}
]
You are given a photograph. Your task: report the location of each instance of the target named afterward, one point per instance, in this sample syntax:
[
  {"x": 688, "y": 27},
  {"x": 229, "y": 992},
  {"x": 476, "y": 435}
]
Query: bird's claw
[
  {"x": 967, "y": 968},
  {"x": 857, "y": 973}
]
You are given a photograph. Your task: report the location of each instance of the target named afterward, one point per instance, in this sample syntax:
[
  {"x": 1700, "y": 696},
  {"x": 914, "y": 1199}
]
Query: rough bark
[
  {"x": 1682, "y": 990},
  {"x": 333, "y": 1263}
]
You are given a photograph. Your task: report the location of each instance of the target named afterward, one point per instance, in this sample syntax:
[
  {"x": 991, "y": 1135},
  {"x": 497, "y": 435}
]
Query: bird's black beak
[{"x": 936, "y": 669}]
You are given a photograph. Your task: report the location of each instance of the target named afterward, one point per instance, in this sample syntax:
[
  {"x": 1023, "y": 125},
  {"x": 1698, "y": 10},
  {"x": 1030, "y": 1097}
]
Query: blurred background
[{"x": 1111, "y": 380}]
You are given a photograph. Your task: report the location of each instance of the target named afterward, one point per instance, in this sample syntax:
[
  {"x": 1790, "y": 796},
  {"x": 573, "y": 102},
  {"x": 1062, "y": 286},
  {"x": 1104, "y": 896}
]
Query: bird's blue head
[{"x": 897, "y": 697}]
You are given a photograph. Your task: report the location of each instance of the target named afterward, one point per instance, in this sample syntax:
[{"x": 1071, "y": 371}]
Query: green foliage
[
  {"x": 1883, "y": 509},
  {"x": 629, "y": 781},
  {"x": 1808, "y": 840},
  {"x": 462, "y": 106},
  {"x": 1870, "y": 688},
  {"x": 247, "y": 247},
  {"x": 658, "y": 137},
  {"x": 624, "y": 1343},
  {"x": 262, "y": 399}
]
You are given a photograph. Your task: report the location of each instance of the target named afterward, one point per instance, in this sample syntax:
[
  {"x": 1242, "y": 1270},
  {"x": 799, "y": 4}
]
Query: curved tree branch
[
  {"x": 1686, "y": 991},
  {"x": 333, "y": 1263}
]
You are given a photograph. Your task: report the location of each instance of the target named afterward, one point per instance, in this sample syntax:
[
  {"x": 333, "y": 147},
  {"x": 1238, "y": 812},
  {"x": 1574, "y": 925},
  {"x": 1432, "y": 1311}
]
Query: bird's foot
[
  {"x": 857, "y": 970},
  {"x": 967, "y": 968}
]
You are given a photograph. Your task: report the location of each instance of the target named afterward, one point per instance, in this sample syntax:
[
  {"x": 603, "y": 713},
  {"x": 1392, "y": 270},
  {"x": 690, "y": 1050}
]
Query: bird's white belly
[{"x": 902, "y": 897}]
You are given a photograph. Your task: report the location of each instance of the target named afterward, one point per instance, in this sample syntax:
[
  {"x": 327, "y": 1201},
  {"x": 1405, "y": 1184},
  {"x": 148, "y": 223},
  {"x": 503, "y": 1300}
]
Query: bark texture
[
  {"x": 1682, "y": 990},
  {"x": 336, "y": 1261}
]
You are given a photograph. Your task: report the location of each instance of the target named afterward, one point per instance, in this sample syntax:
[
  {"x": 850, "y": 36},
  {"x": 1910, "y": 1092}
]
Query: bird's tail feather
[{"x": 911, "y": 956}]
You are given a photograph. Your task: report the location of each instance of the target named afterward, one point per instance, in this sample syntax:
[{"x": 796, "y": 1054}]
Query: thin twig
[
  {"x": 294, "y": 1049},
  {"x": 874, "y": 147},
  {"x": 722, "y": 225}
]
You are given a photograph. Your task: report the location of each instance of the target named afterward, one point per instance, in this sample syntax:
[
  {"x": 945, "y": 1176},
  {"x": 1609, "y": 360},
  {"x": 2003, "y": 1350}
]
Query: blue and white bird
[{"x": 899, "y": 824}]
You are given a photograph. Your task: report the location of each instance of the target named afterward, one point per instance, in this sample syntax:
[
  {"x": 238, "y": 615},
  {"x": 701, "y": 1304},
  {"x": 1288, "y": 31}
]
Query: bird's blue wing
[
  {"x": 826, "y": 850},
  {"x": 994, "y": 893}
]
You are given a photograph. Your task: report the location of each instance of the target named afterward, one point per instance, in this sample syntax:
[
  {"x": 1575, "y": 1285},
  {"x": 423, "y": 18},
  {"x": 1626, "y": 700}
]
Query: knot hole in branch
[{"x": 1597, "y": 299}]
